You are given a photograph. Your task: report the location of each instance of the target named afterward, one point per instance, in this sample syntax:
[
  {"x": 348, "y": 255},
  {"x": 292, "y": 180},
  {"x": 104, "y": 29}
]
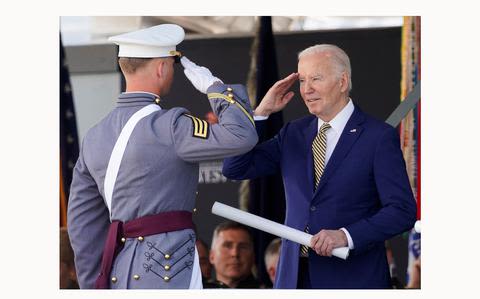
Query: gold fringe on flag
[
  {"x": 410, "y": 125},
  {"x": 410, "y": 56}
]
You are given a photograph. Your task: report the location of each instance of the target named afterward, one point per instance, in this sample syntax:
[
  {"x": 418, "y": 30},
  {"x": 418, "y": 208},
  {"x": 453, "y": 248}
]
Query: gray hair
[
  {"x": 230, "y": 225},
  {"x": 272, "y": 249},
  {"x": 339, "y": 58}
]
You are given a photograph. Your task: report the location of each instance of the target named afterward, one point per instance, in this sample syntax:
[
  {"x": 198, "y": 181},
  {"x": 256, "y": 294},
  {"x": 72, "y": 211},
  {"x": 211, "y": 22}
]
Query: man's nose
[
  {"x": 307, "y": 87},
  {"x": 235, "y": 251}
]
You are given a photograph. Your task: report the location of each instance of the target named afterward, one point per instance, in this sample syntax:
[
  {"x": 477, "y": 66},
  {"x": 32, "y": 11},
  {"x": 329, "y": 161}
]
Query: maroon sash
[{"x": 144, "y": 226}]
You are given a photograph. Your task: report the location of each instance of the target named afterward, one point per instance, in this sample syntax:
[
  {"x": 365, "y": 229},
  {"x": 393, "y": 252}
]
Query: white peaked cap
[{"x": 156, "y": 41}]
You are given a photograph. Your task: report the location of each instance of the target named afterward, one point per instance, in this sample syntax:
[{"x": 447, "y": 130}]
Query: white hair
[
  {"x": 271, "y": 251},
  {"x": 339, "y": 58}
]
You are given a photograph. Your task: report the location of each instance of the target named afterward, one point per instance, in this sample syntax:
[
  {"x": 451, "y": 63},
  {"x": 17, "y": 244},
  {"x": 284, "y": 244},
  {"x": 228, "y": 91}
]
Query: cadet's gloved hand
[{"x": 200, "y": 76}]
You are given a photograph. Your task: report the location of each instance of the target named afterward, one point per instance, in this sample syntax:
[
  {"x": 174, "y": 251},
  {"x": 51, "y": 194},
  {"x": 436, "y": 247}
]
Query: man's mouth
[{"x": 312, "y": 100}]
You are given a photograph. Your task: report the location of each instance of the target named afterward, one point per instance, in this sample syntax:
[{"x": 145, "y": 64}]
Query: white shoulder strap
[{"x": 119, "y": 149}]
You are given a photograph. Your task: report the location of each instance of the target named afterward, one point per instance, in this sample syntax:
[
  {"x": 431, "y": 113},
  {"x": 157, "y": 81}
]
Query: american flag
[{"x": 68, "y": 135}]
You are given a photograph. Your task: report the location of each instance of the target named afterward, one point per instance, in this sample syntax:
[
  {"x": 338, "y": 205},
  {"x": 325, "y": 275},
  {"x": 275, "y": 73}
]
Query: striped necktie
[{"x": 319, "y": 148}]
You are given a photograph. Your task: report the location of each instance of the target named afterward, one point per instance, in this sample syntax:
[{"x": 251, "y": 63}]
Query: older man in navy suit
[{"x": 344, "y": 176}]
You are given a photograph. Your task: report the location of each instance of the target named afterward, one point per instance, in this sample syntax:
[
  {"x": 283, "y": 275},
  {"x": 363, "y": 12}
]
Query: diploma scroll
[{"x": 271, "y": 227}]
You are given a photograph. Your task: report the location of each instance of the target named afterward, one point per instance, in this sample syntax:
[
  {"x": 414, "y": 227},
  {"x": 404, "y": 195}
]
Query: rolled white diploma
[{"x": 271, "y": 227}]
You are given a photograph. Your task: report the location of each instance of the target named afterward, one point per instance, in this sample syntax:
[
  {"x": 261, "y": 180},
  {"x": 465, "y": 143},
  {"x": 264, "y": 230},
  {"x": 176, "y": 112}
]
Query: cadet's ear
[{"x": 160, "y": 68}]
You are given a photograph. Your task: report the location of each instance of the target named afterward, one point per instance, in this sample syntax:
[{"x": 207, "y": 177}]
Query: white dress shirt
[
  {"x": 333, "y": 134},
  {"x": 337, "y": 125}
]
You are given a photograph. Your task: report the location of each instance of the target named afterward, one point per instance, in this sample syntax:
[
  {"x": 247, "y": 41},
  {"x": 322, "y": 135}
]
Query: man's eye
[{"x": 244, "y": 247}]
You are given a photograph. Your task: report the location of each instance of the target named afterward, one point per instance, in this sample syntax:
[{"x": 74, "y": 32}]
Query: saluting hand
[
  {"x": 277, "y": 97},
  {"x": 326, "y": 240},
  {"x": 200, "y": 76}
]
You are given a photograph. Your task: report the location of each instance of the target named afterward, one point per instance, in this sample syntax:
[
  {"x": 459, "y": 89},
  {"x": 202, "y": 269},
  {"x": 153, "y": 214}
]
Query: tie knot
[{"x": 325, "y": 127}]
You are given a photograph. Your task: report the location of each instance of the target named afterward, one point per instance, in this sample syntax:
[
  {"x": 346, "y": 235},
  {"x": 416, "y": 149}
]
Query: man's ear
[
  {"x": 344, "y": 82},
  {"x": 211, "y": 256},
  {"x": 161, "y": 68},
  {"x": 271, "y": 271}
]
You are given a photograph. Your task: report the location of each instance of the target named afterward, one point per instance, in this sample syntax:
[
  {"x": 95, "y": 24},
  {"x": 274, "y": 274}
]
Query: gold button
[
  {"x": 114, "y": 279},
  {"x": 136, "y": 277},
  {"x": 123, "y": 240},
  {"x": 229, "y": 89},
  {"x": 230, "y": 95},
  {"x": 166, "y": 278},
  {"x": 140, "y": 239},
  {"x": 157, "y": 101},
  {"x": 167, "y": 267},
  {"x": 167, "y": 256}
]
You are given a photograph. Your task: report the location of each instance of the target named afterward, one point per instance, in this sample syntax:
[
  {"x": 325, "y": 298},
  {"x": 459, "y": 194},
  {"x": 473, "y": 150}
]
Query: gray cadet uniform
[{"x": 158, "y": 173}]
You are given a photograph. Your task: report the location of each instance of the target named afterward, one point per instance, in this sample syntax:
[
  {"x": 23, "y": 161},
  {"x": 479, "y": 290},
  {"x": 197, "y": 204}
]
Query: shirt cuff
[
  {"x": 259, "y": 117},
  {"x": 349, "y": 238}
]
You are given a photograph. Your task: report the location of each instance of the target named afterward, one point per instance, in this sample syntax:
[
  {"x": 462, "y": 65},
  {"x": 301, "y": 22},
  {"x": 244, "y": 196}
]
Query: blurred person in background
[
  {"x": 203, "y": 256},
  {"x": 232, "y": 256},
  {"x": 272, "y": 254}
]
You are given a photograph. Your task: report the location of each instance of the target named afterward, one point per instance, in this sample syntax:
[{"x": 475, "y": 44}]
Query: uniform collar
[
  {"x": 135, "y": 92},
  {"x": 137, "y": 98}
]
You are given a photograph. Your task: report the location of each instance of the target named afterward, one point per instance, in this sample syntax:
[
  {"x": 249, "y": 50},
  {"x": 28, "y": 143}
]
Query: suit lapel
[{"x": 350, "y": 134}]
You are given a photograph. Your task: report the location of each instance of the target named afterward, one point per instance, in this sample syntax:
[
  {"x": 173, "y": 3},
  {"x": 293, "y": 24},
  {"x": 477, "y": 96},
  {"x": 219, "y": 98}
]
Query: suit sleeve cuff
[{"x": 349, "y": 238}]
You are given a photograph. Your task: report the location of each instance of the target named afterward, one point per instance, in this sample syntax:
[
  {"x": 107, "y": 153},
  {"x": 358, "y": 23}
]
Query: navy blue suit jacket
[{"x": 364, "y": 188}]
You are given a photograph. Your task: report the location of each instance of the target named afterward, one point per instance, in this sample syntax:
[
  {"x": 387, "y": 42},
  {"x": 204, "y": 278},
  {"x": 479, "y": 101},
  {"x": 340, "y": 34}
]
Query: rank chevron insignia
[{"x": 200, "y": 127}]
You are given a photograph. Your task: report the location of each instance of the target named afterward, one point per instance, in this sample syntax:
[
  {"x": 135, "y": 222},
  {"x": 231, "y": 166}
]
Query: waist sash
[{"x": 144, "y": 226}]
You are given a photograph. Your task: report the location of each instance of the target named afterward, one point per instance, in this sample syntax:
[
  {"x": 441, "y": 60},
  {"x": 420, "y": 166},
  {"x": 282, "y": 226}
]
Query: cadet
[{"x": 134, "y": 184}]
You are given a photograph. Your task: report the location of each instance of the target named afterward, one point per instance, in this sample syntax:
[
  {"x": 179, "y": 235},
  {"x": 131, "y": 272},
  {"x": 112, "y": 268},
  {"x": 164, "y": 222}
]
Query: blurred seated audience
[
  {"x": 203, "y": 256},
  {"x": 396, "y": 283},
  {"x": 415, "y": 274}
]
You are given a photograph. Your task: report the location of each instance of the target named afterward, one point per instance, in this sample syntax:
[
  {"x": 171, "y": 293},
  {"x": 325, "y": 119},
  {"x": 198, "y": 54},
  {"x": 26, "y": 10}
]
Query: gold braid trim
[{"x": 213, "y": 96}]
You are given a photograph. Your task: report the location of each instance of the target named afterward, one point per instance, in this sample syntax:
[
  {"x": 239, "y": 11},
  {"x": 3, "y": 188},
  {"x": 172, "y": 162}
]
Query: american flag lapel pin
[{"x": 353, "y": 130}]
